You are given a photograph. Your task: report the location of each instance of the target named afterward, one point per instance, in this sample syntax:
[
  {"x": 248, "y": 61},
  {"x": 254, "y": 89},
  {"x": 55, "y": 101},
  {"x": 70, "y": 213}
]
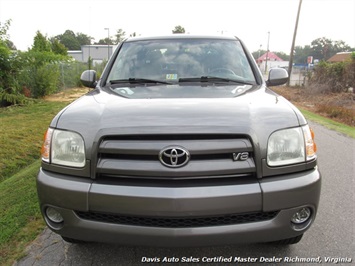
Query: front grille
[
  {"x": 137, "y": 157},
  {"x": 169, "y": 222}
]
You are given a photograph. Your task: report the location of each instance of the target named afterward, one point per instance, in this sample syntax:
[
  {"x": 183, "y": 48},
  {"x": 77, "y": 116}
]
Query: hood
[{"x": 255, "y": 113}]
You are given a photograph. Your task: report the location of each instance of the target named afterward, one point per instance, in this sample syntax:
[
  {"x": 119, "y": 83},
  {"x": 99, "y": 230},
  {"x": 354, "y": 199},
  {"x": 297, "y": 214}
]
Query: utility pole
[
  {"x": 293, "y": 44},
  {"x": 258, "y": 62},
  {"x": 267, "y": 51},
  {"x": 108, "y": 43}
]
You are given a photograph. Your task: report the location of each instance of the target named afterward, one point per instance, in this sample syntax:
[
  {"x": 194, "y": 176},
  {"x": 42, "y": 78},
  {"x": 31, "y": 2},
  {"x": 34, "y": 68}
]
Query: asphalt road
[{"x": 330, "y": 239}]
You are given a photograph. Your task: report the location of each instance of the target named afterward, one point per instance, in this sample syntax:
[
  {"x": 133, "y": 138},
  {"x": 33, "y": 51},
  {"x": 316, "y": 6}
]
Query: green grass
[
  {"x": 20, "y": 220},
  {"x": 21, "y": 134},
  {"x": 331, "y": 124}
]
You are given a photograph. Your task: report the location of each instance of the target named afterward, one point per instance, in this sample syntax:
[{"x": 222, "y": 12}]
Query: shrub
[
  {"x": 8, "y": 98},
  {"x": 334, "y": 77},
  {"x": 45, "y": 80},
  {"x": 9, "y": 69}
]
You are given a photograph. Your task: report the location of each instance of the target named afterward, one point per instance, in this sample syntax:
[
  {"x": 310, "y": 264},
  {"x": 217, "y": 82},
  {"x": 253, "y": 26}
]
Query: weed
[
  {"x": 337, "y": 106},
  {"x": 345, "y": 115}
]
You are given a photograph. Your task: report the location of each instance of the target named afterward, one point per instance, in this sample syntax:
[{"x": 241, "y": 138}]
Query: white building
[{"x": 98, "y": 53}]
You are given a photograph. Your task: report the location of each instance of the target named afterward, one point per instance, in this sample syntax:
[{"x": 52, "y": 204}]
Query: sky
[{"x": 259, "y": 23}]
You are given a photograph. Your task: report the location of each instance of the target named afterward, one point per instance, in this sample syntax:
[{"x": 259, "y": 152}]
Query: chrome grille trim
[{"x": 138, "y": 156}]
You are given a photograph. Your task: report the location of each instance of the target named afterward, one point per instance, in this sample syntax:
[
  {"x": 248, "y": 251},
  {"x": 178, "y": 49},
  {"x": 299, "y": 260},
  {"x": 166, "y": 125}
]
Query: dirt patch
[
  {"x": 337, "y": 106},
  {"x": 67, "y": 95}
]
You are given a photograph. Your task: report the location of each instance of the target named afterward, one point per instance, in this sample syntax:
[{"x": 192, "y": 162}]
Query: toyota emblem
[{"x": 174, "y": 156}]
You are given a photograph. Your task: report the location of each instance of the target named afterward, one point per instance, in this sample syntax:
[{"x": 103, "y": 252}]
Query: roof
[
  {"x": 340, "y": 57},
  {"x": 270, "y": 56}
]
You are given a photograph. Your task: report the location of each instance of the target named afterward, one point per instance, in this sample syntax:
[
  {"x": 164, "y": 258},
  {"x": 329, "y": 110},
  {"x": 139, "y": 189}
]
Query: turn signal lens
[
  {"x": 45, "y": 151},
  {"x": 311, "y": 147}
]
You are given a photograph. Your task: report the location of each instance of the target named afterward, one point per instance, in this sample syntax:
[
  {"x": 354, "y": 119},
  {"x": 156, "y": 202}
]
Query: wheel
[
  {"x": 288, "y": 241},
  {"x": 73, "y": 241}
]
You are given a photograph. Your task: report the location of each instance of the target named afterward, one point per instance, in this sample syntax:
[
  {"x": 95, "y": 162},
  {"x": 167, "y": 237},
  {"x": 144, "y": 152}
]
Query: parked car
[{"x": 180, "y": 143}]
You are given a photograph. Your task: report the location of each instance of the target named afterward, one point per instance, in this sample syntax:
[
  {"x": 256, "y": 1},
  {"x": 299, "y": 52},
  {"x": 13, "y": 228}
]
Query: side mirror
[
  {"x": 277, "y": 76},
  {"x": 88, "y": 78}
]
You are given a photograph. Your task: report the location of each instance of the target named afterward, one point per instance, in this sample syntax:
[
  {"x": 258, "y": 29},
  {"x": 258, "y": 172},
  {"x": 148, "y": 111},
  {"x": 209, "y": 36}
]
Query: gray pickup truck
[{"x": 180, "y": 143}]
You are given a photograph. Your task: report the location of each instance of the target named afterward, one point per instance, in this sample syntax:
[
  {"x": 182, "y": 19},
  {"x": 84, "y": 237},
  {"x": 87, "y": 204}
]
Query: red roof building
[{"x": 270, "y": 57}]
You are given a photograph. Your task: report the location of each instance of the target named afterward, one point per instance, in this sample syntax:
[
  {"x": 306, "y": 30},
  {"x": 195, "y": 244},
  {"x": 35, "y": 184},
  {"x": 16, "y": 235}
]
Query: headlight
[
  {"x": 63, "y": 148},
  {"x": 291, "y": 146}
]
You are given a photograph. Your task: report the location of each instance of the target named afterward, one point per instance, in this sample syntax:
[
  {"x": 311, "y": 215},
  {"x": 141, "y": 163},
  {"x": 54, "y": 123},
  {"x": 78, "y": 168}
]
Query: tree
[
  {"x": 324, "y": 48},
  {"x": 73, "y": 41},
  {"x": 41, "y": 43},
  {"x": 301, "y": 54},
  {"x": 106, "y": 41},
  {"x": 83, "y": 39},
  {"x": 10, "y": 67},
  {"x": 4, "y": 37},
  {"x": 3, "y": 30},
  {"x": 11, "y": 45},
  {"x": 119, "y": 36},
  {"x": 41, "y": 66},
  {"x": 178, "y": 29},
  {"x": 321, "y": 48},
  {"x": 58, "y": 48},
  {"x": 69, "y": 40},
  {"x": 6, "y": 82}
]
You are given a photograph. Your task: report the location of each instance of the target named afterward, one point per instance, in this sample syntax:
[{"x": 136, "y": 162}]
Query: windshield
[{"x": 221, "y": 62}]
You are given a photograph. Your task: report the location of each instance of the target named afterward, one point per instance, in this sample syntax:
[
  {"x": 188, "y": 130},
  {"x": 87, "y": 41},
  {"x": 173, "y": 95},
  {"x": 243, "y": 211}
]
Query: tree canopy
[
  {"x": 324, "y": 48},
  {"x": 116, "y": 39},
  {"x": 178, "y": 29},
  {"x": 73, "y": 41},
  {"x": 119, "y": 36},
  {"x": 59, "y": 48},
  {"x": 4, "y": 37},
  {"x": 40, "y": 43}
]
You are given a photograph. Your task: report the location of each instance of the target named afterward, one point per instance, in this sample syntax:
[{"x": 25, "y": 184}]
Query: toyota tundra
[{"x": 180, "y": 143}]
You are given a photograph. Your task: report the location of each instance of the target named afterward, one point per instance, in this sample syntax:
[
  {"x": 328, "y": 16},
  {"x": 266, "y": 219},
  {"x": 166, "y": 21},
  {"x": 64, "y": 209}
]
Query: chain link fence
[
  {"x": 299, "y": 76},
  {"x": 70, "y": 73}
]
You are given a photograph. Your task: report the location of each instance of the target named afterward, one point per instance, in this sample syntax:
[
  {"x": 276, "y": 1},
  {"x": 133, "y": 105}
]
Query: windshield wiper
[
  {"x": 214, "y": 79},
  {"x": 138, "y": 81}
]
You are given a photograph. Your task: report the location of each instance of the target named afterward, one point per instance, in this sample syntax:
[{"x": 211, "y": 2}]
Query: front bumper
[{"x": 284, "y": 194}]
